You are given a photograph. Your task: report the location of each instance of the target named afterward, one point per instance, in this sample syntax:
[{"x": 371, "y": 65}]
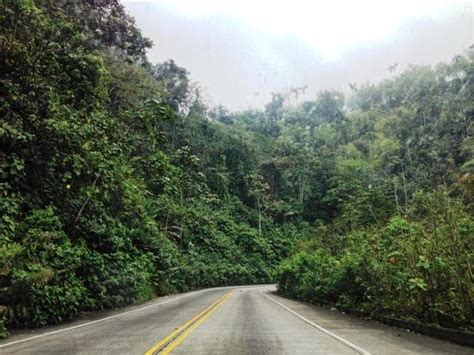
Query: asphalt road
[{"x": 240, "y": 320}]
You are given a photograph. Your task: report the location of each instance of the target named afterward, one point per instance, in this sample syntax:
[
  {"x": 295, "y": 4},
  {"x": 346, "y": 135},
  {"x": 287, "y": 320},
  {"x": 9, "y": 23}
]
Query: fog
[{"x": 240, "y": 54}]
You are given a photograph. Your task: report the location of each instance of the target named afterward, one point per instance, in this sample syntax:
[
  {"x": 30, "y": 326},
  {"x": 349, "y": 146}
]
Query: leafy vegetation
[
  {"x": 399, "y": 189},
  {"x": 119, "y": 182}
]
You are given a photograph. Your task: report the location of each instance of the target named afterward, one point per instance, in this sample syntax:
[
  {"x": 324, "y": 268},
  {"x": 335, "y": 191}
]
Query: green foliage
[
  {"x": 41, "y": 266},
  {"x": 398, "y": 189},
  {"x": 415, "y": 267},
  {"x": 109, "y": 196},
  {"x": 104, "y": 24},
  {"x": 119, "y": 183}
]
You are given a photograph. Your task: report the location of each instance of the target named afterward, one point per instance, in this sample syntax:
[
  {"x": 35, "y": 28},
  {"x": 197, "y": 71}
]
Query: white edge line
[
  {"x": 342, "y": 340},
  {"x": 114, "y": 316}
]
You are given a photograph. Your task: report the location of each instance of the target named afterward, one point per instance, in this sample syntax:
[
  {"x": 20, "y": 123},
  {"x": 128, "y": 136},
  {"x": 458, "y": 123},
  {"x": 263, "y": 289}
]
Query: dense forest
[{"x": 119, "y": 182}]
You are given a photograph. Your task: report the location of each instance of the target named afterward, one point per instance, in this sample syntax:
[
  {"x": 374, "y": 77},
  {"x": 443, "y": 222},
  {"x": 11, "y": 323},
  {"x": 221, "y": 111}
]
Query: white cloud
[{"x": 329, "y": 27}]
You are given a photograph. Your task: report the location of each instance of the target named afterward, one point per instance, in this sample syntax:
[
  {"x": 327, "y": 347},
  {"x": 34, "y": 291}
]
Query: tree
[
  {"x": 176, "y": 83},
  {"x": 105, "y": 23},
  {"x": 258, "y": 189}
]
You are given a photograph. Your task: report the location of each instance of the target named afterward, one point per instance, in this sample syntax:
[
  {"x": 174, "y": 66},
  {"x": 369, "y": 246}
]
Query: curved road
[{"x": 227, "y": 320}]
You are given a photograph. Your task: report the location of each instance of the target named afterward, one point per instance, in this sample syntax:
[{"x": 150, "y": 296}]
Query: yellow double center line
[{"x": 171, "y": 341}]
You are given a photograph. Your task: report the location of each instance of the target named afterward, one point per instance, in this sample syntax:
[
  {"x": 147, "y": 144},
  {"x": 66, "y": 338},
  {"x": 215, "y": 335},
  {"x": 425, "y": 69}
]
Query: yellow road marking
[{"x": 171, "y": 341}]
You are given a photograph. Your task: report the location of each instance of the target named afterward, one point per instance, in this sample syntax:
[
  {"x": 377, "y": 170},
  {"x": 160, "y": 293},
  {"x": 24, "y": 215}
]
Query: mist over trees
[{"x": 120, "y": 183}]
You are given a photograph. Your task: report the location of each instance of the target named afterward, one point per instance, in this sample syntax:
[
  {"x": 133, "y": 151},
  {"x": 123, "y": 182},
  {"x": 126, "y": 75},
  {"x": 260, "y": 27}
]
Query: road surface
[{"x": 238, "y": 320}]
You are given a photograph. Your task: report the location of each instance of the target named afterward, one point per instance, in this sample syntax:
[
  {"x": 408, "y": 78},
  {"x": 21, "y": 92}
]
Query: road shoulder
[{"x": 371, "y": 335}]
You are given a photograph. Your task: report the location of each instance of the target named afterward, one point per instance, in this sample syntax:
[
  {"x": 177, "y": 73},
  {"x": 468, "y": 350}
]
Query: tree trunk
[{"x": 259, "y": 217}]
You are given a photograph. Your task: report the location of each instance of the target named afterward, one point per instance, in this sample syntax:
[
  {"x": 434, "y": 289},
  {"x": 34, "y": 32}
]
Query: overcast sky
[{"x": 242, "y": 51}]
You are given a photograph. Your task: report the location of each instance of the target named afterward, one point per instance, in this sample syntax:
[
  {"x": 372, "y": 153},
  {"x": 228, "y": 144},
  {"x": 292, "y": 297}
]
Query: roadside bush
[
  {"x": 414, "y": 267},
  {"x": 43, "y": 285}
]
